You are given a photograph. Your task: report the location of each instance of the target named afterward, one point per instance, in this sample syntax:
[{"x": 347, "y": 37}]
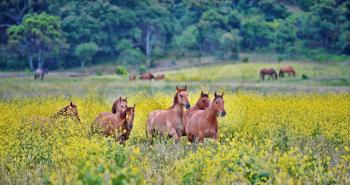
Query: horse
[
  {"x": 117, "y": 125},
  {"x": 169, "y": 121},
  {"x": 202, "y": 103},
  {"x": 119, "y": 104},
  {"x": 286, "y": 69},
  {"x": 268, "y": 71},
  {"x": 132, "y": 77},
  {"x": 69, "y": 111},
  {"x": 147, "y": 76},
  {"x": 160, "y": 77},
  {"x": 203, "y": 123},
  {"x": 40, "y": 73},
  {"x": 130, "y": 115}
]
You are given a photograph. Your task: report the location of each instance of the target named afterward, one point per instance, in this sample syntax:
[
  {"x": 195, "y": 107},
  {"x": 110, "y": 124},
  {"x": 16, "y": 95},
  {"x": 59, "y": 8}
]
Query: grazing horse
[
  {"x": 268, "y": 71},
  {"x": 69, "y": 111},
  {"x": 147, "y": 76},
  {"x": 132, "y": 77},
  {"x": 40, "y": 73},
  {"x": 202, "y": 103},
  {"x": 286, "y": 69},
  {"x": 160, "y": 77},
  {"x": 119, "y": 104},
  {"x": 169, "y": 121},
  {"x": 118, "y": 125},
  {"x": 203, "y": 123}
]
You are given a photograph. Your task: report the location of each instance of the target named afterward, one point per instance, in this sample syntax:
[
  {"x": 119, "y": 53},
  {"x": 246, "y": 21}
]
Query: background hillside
[{"x": 65, "y": 34}]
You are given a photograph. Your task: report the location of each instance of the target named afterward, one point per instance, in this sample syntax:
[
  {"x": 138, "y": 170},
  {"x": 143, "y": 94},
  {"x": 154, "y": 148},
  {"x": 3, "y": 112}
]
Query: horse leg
[
  {"x": 270, "y": 77},
  {"x": 174, "y": 134}
]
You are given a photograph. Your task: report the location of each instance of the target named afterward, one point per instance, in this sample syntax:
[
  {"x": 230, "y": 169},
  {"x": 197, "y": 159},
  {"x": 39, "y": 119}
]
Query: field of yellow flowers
[{"x": 272, "y": 139}]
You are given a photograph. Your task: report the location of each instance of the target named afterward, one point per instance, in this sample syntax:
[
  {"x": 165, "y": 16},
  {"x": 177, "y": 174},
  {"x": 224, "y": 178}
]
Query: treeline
[{"x": 68, "y": 33}]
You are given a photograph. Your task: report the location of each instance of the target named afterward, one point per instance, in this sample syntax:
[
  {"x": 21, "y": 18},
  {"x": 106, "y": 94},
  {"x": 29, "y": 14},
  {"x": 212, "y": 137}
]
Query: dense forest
[{"x": 60, "y": 34}]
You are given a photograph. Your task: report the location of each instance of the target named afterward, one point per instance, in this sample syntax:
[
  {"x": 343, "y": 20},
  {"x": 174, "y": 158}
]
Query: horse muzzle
[
  {"x": 187, "y": 106},
  {"x": 222, "y": 114}
]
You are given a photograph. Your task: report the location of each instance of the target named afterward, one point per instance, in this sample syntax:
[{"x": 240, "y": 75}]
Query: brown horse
[
  {"x": 160, "y": 77},
  {"x": 130, "y": 115},
  {"x": 147, "y": 76},
  {"x": 203, "y": 123},
  {"x": 202, "y": 103},
  {"x": 169, "y": 121},
  {"x": 132, "y": 77},
  {"x": 69, "y": 111},
  {"x": 287, "y": 69},
  {"x": 40, "y": 73},
  {"x": 119, "y": 104},
  {"x": 268, "y": 71},
  {"x": 118, "y": 125}
]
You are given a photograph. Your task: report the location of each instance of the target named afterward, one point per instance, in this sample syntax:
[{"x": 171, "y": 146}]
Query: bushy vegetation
[
  {"x": 270, "y": 139},
  {"x": 55, "y": 33}
]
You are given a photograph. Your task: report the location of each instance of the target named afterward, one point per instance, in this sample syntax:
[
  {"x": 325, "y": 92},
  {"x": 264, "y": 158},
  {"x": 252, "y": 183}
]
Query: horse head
[
  {"x": 203, "y": 101},
  {"x": 218, "y": 104},
  {"x": 181, "y": 97}
]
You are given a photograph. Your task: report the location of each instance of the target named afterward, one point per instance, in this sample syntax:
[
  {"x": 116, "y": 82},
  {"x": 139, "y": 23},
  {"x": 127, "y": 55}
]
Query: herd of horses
[
  {"x": 273, "y": 74},
  {"x": 197, "y": 122},
  {"x": 147, "y": 76}
]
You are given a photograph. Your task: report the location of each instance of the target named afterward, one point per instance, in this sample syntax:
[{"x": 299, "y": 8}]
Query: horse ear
[
  {"x": 71, "y": 103},
  {"x": 185, "y": 87},
  {"x": 223, "y": 92},
  {"x": 202, "y": 93},
  {"x": 177, "y": 89},
  {"x": 120, "y": 98},
  {"x": 215, "y": 94},
  {"x": 126, "y": 99}
]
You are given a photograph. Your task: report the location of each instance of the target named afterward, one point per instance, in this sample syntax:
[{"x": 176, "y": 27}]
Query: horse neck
[
  {"x": 210, "y": 114},
  {"x": 59, "y": 113}
]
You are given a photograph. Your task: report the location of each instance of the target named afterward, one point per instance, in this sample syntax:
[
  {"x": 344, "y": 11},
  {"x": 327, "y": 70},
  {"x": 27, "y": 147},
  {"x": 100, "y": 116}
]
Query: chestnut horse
[
  {"x": 147, "y": 76},
  {"x": 118, "y": 125},
  {"x": 203, "y": 123},
  {"x": 160, "y": 77},
  {"x": 169, "y": 121},
  {"x": 132, "y": 77},
  {"x": 287, "y": 69},
  {"x": 69, "y": 111},
  {"x": 202, "y": 103},
  {"x": 119, "y": 104},
  {"x": 40, "y": 73},
  {"x": 268, "y": 71}
]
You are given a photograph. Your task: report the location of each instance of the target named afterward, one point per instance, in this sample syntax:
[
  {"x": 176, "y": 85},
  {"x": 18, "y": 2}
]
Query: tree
[
  {"x": 229, "y": 44},
  {"x": 37, "y": 37},
  {"x": 128, "y": 54},
  {"x": 85, "y": 52},
  {"x": 187, "y": 40}
]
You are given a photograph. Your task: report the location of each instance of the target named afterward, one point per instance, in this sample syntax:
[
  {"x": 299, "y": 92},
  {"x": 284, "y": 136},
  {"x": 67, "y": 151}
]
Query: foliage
[
  {"x": 85, "y": 52},
  {"x": 274, "y": 139},
  {"x": 37, "y": 37},
  {"x": 121, "y": 70}
]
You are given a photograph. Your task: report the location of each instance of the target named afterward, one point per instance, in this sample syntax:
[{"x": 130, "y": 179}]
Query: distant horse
[
  {"x": 40, "y": 73},
  {"x": 203, "y": 123},
  {"x": 268, "y": 71},
  {"x": 132, "y": 77},
  {"x": 119, "y": 104},
  {"x": 169, "y": 121},
  {"x": 147, "y": 76},
  {"x": 160, "y": 77},
  {"x": 202, "y": 103},
  {"x": 69, "y": 111},
  {"x": 287, "y": 69}
]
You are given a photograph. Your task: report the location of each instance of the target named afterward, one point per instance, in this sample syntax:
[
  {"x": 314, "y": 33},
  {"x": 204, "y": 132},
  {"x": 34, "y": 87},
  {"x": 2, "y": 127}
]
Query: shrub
[
  {"x": 304, "y": 77},
  {"x": 245, "y": 60},
  {"x": 121, "y": 70},
  {"x": 142, "y": 69}
]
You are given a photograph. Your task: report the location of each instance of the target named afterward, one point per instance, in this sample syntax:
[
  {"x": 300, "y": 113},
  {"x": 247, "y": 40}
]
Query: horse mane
[{"x": 175, "y": 101}]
